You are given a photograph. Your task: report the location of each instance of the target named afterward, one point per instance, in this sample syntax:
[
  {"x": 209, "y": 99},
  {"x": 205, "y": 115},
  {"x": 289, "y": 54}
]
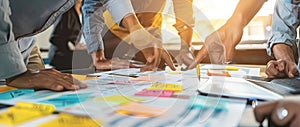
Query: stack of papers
[{"x": 132, "y": 98}]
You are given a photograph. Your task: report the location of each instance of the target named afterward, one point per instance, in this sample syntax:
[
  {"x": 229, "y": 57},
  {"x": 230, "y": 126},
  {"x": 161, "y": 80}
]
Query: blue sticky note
[
  {"x": 15, "y": 93},
  {"x": 288, "y": 1},
  {"x": 67, "y": 100},
  {"x": 203, "y": 102}
]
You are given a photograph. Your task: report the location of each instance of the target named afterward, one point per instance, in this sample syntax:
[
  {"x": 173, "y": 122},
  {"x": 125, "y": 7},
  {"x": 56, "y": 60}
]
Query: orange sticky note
[
  {"x": 6, "y": 88},
  {"x": 142, "y": 78},
  {"x": 140, "y": 110},
  {"x": 218, "y": 73}
]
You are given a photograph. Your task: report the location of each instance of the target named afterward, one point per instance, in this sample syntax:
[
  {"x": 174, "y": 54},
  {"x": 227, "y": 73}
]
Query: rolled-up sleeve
[
  {"x": 93, "y": 20},
  {"x": 285, "y": 22},
  {"x": 12, "y": 63},
  {"x": 119, "y": 9},
  {"x": 93, "y": 24}
]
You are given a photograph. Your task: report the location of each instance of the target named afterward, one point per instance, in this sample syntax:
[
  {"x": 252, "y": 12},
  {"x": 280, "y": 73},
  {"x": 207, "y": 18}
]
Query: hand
[
  {"x": 200, "y": 56},
  {"x": 271, "y": 110},
  {"x": 281, "y": 68},
  {"x": 220, "y": 45},
  {"x": 151, "y": 48},
  {"x": 46, "y": 79},
  {"x": 114, "y": 63},
  {"x": 101, "y": 63},
  {"x": 185, "y": 57},
  {"x": 154, "y": 60}
]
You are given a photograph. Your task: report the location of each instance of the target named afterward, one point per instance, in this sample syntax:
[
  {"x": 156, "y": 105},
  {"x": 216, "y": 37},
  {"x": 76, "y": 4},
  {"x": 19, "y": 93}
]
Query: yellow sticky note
[
  {"x": 23, "y": 112},
  {"x": 120, "y": 99},
  {"x": 175, "y": 72},
  {"x": 140, "y": 110},
  {"x": 231, "y": 68},
  {"x": 67, "y": 120},
  {"x": 43, "y": 108},
  {"x": 82, "y": 77},
  {"x": 162, "y": 86}
]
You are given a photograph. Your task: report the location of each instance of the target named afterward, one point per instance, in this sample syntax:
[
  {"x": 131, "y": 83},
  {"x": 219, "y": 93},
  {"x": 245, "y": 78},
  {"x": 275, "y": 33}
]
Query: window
[{"x": 212, "y": 14}]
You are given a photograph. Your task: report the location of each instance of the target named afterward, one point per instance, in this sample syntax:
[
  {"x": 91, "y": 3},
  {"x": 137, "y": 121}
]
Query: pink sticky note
[{"x": 156, "y": 93}]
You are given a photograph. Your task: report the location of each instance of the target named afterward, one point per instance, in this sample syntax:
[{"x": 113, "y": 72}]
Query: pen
[{"x": 198, "y": 71}]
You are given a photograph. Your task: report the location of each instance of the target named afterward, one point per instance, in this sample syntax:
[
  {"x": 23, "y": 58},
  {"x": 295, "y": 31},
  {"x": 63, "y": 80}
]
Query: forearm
[
  {"x": 284, "y": 52},
  {"x": 186, "y": 37},
  {"x": 119, "y": 9},
  {"x": 245, "y": 11},
  {"x": 131, "y": 22}
]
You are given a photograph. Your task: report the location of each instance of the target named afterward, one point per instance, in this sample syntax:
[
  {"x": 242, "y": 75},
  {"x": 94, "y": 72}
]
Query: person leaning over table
[
  {"x": 149, "y": 14},
  {"x": 229, "y": 35},
  {"x": 66, "y": 31},
  {"x": 124, "y": 15},
  {"x": 21, "y": 64},
  {"x": 282, "y": 44}
]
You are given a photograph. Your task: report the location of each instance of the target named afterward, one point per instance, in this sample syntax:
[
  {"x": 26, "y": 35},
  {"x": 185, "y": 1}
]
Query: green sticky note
[{"x": 120, "y": 99}]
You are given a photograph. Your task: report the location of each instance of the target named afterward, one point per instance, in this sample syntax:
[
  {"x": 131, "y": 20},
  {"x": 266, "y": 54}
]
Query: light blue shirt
[
  {"x": 14, "y": 54},
  {"x": 285, "y": 22},
  {"x": 11, "y": 58},
  {"x": 93, "y": 20}
]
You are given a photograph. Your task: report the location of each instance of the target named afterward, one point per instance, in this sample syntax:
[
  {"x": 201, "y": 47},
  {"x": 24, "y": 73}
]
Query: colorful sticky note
[
  {"x": 67, "y": 120},
  {"x": 145, "y": 78},
  {"x": 6, "y": 88},
  {"x": 43, "y": 108},
  {"x": 140, "y": 110},
  {"x": 175, "y": 72},
  {"x": 163, "y": 86},
  {"x": 79, "y": 77},
  {"x": 67, "y": 99},
  {"x": 23, "y": 112},
  {"x": 218, "y": 73},
  {"x": 231, "y": 68},
  {"x": 15, "y": 93},
  {"x": 120, "y": 99},
  {"x": 156, "y": 93},
  {"x": 208, "y": 102},
  {"x": 83, "y": 77}
]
